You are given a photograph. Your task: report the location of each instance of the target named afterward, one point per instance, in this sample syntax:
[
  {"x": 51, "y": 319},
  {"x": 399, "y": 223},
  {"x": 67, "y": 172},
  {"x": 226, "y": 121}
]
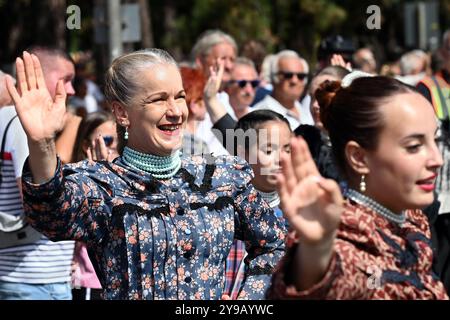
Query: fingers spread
[
  {"x": 21, "y": 76},
  {"x": 60, "y": 96},
  {"x": 40, "y": 80},
  {"x": 29, "y": 71},
  {"x": 288, "y": 172}
]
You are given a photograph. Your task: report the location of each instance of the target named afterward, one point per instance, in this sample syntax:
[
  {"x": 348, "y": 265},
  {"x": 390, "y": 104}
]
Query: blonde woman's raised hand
[
  {"x": 312, "y": 204},
  {"x": 41, "y": 115}
]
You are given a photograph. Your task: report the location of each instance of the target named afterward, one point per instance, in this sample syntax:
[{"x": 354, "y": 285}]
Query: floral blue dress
[{"x": 153, "y": 239}]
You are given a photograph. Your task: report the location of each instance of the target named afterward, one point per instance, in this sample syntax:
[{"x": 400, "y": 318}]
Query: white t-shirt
[
  {"x": 40, "y": 262},
  {"x": 14, "y": 155}
]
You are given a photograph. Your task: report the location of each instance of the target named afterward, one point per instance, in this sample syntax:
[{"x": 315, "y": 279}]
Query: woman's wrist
[
  {"x": 42, "y": 160},
  {"x": 312, "y": 261}
]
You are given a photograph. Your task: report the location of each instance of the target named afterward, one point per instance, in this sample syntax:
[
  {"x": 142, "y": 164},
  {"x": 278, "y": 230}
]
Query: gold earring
[{"x": 362, "y": 184}]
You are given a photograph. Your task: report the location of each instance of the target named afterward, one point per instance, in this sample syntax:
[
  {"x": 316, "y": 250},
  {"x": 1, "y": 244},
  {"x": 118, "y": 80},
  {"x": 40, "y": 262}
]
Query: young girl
[{"x": 262, "y": 136}]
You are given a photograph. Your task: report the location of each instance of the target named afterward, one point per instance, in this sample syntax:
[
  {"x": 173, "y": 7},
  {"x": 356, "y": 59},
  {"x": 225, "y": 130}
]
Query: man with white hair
[
  {"x": 289, "y": 75},
  {"x": 211, "y": 46},
  {"x": 413, "y": 66}
]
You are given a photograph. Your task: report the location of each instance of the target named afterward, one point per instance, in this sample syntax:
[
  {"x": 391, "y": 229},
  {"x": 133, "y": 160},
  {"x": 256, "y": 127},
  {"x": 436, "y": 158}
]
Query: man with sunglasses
[
  {"x": 289, "y": 76},
  {"x": 241, "y": 87}
]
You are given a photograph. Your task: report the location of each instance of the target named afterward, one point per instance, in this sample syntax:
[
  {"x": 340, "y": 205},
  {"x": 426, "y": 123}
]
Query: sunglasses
[
  {"x": 289, "y": 75},
  {"x": 108, "y": 140},
  {"x": 242, "y": 83}
]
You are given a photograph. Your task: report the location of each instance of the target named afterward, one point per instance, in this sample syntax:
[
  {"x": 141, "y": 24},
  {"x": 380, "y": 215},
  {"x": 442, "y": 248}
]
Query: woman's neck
[{"x": 375, "y": 198}]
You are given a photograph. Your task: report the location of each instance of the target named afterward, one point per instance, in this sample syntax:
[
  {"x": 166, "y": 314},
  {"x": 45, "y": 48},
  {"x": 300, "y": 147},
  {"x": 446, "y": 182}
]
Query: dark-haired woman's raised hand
[
  {"x": 41, "y": 115},
  {"x": 313, "y": 206},
  {"x": 311, "y": 203}
]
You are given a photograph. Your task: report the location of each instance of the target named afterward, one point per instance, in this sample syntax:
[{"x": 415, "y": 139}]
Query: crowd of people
[{"x": 226, "y": 176}]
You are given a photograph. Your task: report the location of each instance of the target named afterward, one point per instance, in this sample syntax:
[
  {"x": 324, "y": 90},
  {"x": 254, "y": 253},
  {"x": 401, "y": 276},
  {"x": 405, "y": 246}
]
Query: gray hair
[
  {"x": 274, "y": 68},
  {"x": 208, "y": 40},
  {"x": 243, "y": 61},
  {"x": 408, "y": 60},
  {"x": 266, "y": 67},
  {"x": 123, "y": 78}
]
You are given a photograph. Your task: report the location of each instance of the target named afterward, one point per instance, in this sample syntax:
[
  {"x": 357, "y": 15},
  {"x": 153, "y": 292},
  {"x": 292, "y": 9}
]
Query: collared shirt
[
  {"x": 303, "y": 109},
  {"x": 154, "y": 239}
]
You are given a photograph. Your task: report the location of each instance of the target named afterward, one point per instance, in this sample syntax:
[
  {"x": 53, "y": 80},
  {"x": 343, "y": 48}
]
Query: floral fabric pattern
[
  {"x": 373, "y": 259},
  {"x": 167, "y": 239}
]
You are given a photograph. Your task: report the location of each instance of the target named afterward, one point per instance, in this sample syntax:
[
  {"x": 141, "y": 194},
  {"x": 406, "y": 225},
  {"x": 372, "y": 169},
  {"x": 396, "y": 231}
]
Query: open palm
[
  {"x": 41, "y": 115},
  {"x": 311, "y": 204}
]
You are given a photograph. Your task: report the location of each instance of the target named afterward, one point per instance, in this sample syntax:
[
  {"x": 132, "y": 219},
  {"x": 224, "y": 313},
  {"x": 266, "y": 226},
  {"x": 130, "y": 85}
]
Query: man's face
[
  {"x": 292, "y": 78},
  {"x": 222, "y": 51},
  {"x": 59, "y": 69},
  {"x": 242, "y": 86}
]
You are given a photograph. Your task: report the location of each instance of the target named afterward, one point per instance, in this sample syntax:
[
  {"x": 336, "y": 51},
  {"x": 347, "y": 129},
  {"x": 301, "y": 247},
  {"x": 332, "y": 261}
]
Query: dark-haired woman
[
  {"x": 262, "y": 136},
  {"x": 317, "y": 136},
  {"x": 376, "y": 243}
]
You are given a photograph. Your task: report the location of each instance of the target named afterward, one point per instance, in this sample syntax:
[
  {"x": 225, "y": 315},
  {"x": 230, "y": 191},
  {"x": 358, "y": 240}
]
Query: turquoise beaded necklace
[{"x": 157, "y": 166}]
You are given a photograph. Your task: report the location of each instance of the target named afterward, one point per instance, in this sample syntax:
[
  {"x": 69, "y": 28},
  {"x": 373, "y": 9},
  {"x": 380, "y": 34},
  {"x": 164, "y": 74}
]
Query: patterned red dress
[{"x": 373, "y": 259}]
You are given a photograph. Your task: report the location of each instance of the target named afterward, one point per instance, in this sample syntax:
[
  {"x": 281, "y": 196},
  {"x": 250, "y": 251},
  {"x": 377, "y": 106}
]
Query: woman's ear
[
  {"x": 121, "y": 114},
  {"x": 356, "y": 157}
]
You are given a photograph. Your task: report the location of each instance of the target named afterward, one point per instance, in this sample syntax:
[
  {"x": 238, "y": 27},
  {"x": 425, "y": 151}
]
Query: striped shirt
[{"x": 36, "y": 263}]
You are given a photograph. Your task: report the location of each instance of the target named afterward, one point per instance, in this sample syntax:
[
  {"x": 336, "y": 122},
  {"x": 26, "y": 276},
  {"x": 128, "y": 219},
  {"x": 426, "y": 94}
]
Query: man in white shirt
[
  {"x": 211, "y": 46},
  {"x": 37, "y": 268},
  {"x": 289, "y": 75},
  {"x": 241, "y": 88}
]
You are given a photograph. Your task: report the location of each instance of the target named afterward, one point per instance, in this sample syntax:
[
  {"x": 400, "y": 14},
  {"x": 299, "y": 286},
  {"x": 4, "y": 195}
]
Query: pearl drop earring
[{"x": 362, "y": 184}]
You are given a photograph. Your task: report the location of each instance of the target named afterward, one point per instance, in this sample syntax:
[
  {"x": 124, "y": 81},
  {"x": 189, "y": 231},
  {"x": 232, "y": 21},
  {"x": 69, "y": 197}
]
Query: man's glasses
[
  {"x": 289, "y": 75},
  {"x": 108, "y": 140},
  {"x": 242, "y": 83}
]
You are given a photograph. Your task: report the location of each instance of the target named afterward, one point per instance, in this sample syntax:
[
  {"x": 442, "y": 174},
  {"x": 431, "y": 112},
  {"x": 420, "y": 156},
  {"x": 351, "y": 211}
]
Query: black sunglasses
[
  {"x": 242, "y": 83},
  {"x": 108, "y": 140},
  {"x": 288, "y": 75}
]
